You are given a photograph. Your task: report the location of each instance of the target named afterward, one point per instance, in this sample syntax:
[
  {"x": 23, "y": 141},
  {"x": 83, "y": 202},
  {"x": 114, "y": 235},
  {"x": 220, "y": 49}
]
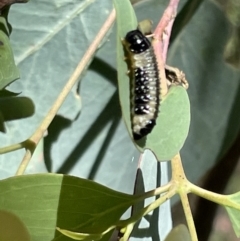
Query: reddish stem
[{"x": 161, "y": 40}]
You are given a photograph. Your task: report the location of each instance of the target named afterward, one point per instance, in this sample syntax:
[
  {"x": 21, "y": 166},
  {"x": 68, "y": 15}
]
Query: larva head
[{"x": 138, "y": 43}]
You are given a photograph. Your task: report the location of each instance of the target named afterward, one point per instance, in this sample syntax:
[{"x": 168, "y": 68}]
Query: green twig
[
  {"x": 13, "y": 147},
  {"x": 189, "y": 217},
  {"x": 183, "y": 188},
  {"x": 39, "y": 133},
  {"x": 127, "y": 232},
  {"x": 133, "y": 219},
  {"x": 155, "y": 192},
  {"x": 214, "y": 197}
]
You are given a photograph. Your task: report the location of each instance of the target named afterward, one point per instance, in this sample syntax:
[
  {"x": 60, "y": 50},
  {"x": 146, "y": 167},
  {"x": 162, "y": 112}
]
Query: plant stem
[
  {"x": 177, "y": 169},
  {"x": 188, "y": 215},
  {"x": 127, "y": 232},
  {"x": 23, "y": 165},
  {"x": 154, "y": 192},
  {"x": 38, "y": 134},
  {"x": 133, "y": 219},
  {"x": 161, "y": 41},
  {"x": 214, "y": 197},
  {"x": 164, "y": 28},
  {"x": 13, "y": 147},
  {"x": 183, "y": 188}
]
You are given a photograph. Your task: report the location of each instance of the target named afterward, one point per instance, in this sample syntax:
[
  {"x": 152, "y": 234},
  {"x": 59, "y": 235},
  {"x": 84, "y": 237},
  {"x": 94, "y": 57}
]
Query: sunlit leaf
[
  {"x": 46, "y": 201},
  {"x": 172, "y": 126}
]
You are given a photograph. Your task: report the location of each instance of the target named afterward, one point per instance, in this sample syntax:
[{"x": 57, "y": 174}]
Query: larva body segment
[{"x": 145, "y": 84}]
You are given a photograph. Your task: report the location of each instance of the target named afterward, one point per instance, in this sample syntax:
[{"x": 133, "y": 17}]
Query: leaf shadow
[
  {"x": 101, "y": 121},
  {"x": 104, "y": 147},
  {"x": 111, "y": 112},
  {"x": 15, "y": 108},
  {"x": 105, "y": 70},
  {"x": 58, "y": 124},
  {"x": 153, "y": 219}
]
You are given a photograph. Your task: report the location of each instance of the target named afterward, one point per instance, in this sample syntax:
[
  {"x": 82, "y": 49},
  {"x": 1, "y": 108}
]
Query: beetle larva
[{"x": 145, "y": 83}]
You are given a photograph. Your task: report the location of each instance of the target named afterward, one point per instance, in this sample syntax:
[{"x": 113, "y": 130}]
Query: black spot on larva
[
  {"x": 145, "y": 83},
  {"x": 146, "y": 130},
  {"x": 142, "y": 90},
  {"x": 141, "y": 109},
  {"x": 1, "y": 43},
  {"x": 141, "y": 99}
]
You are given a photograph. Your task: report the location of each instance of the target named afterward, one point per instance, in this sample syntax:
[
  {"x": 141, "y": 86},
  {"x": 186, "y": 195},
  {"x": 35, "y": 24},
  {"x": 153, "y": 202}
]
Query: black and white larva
[{"x": 145, "y": 83}]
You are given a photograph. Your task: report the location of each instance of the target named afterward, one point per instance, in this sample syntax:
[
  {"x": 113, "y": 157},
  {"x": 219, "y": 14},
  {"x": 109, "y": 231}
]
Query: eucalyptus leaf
[
  {"x": 45, "y": 201},
  {"x": 8, "y": 70},
  {"x": 12, "y": 228},
  {"x": 124, "y": 11},
  {"x": 171, "y": 130}
]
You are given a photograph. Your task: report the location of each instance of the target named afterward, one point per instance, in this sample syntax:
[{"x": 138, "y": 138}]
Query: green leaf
[
  {"x": 8, "y": 70},
  {"x": 124, "y": 11},
  {"x": 12, "y": 228},
  {"x": 172, "y": 126},
  {"x": 46, "y": 201},
  {"x": 234, "y": 214},
  {"x": 179, "y": 233},
  {"x": 169, "y": 135}
]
